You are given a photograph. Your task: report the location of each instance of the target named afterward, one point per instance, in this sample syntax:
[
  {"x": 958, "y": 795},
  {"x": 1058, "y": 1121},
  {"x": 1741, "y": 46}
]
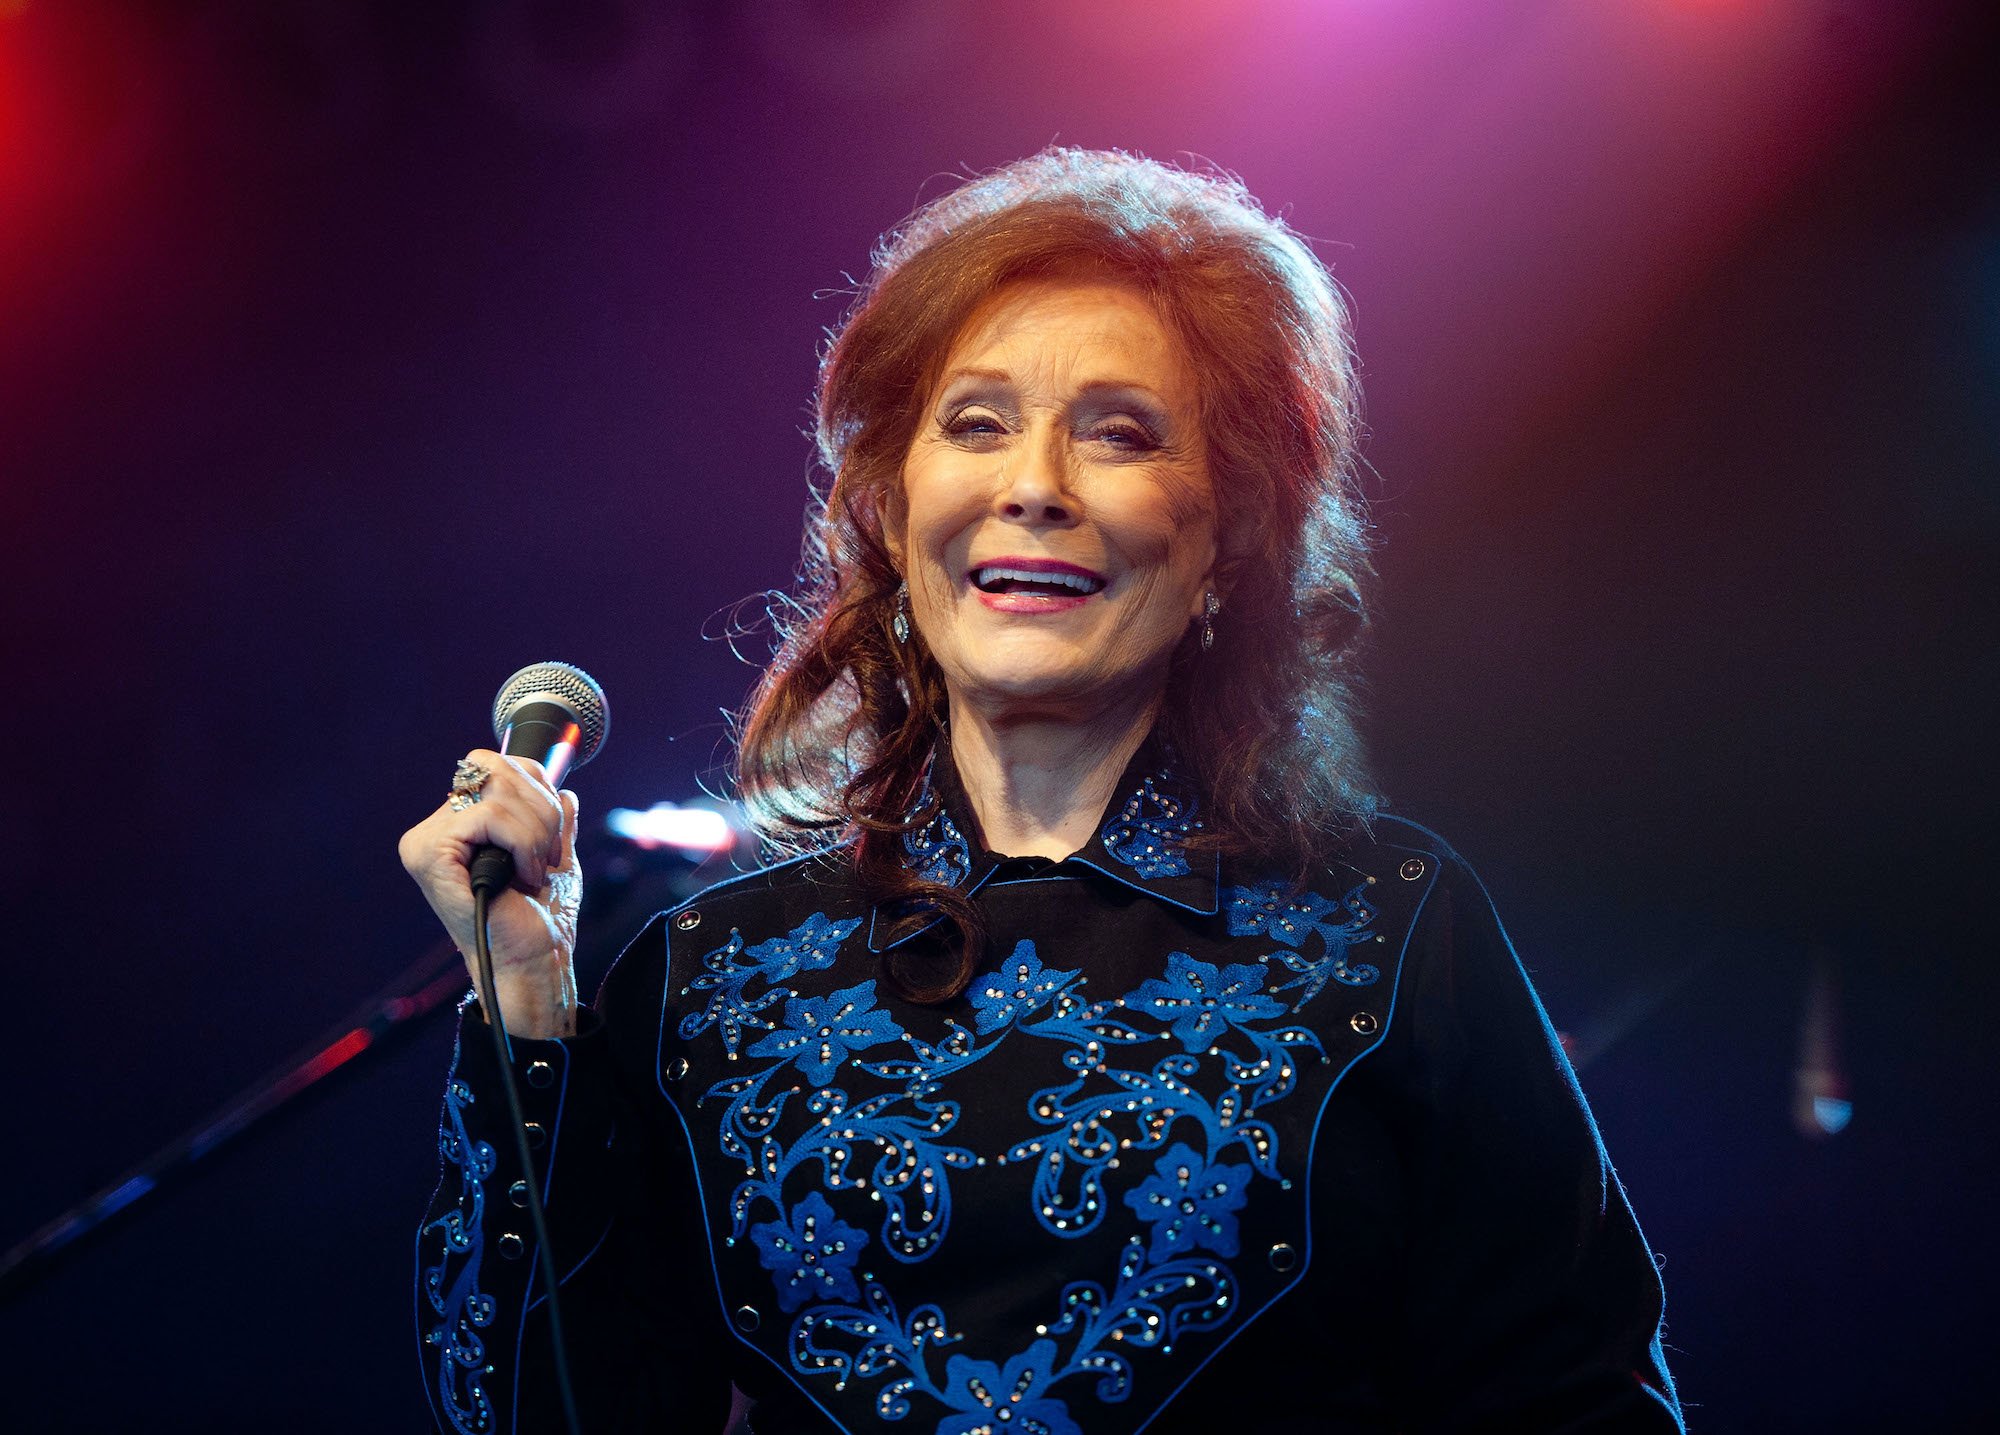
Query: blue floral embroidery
[
  {"x": 811, "y": 1255},
  {"x": 994, "y": 1399},
  {"x": 1021, "y": 986},
  {"x": 1227, "y": 1021},
  {"x": 728, "y": 970},
  {"x": 821, "y": 1031},
  {"x": 1190, "y": 1203},
  {"x": 1149, "y": 830},
  {"x": 463, "y": 1310},
  {"x": 809, "y": 947},
  {"x": 938, "y": 851},
  {"x": 1203, "y": 1001},
  {"x": 1149, "y": 1305},
  {"x": 1272, "y": 909}
]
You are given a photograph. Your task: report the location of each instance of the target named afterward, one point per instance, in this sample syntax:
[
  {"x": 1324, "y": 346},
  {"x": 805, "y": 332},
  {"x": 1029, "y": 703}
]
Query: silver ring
[{"x": 466, "y": 781}]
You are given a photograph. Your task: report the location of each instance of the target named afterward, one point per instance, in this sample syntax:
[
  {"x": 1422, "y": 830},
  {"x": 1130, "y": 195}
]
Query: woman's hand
[{"x": 531, "y": 927}]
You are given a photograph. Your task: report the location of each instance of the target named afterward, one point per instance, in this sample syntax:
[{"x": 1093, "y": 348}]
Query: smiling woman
[
  {"x": 1057, "y": 524},
  {"x": 1104, "y": 1060},
  {"x": 1146, "y": 353}
]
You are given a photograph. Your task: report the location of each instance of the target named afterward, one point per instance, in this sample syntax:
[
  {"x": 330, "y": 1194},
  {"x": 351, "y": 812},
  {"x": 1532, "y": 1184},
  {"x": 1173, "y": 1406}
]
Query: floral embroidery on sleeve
[{"x": 463, "y": 1311}]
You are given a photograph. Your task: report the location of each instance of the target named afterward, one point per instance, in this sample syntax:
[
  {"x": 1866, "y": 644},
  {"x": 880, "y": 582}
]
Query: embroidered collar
[{"x": 1141, "y": 841}]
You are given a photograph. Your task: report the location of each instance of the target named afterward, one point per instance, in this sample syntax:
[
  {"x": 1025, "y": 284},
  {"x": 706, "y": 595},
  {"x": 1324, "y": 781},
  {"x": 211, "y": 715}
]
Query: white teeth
[{"x": 981, "y": 577}]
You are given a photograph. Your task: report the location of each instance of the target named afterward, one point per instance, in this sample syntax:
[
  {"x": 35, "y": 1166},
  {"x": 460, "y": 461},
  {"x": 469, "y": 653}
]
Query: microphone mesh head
[{"x": 563, "y": 683}]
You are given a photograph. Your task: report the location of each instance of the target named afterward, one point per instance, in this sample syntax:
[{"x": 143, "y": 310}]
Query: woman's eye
[
  {"x": 975, "y": 425},
  {"x": 1127, "y": 436}
]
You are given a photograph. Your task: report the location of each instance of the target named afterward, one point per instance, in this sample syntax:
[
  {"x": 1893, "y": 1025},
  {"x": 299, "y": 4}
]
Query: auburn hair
[{"x": 836, "y": 737}]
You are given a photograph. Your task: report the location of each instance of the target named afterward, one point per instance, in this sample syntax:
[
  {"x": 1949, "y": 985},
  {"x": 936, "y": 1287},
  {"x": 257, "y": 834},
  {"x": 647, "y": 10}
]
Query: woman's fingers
[
  {"x": 529, "y": 838},
  {"x": 512, "y": 807},
  {"x": 518, "y": 808},
  {"x": 528, "y": 769}
]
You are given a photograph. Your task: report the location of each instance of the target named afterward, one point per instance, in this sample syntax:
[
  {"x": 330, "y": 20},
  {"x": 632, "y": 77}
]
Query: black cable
[{"x": 489, "y": 1000}]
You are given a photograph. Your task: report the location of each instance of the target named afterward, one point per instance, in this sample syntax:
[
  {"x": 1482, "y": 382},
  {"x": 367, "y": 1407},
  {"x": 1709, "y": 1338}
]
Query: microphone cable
[
  {"x": 557, "y": 713},
  {"x": 537, "y": 1219}
]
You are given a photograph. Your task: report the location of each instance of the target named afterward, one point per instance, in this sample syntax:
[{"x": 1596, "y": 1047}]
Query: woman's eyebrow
[
  {"x": 1093, "y": 395},
  {"x": 1112, "y": 395},
  {"x": 1101, "y": 389},
  {"x": 986, "y": 376}
]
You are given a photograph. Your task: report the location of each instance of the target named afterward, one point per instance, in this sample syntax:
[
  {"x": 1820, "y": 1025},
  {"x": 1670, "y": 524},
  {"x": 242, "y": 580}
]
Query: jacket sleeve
[
  {"x": 636, "y": 1308},
  {"x": 1533, "y": 1302}
]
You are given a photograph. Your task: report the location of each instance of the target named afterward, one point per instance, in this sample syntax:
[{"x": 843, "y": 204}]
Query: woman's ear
[
  {"x": 1217, "y": 579},
  {"x": 895, "y": 526}
]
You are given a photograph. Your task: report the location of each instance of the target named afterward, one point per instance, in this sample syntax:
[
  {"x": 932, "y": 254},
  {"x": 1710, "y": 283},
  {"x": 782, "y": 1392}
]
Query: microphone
[{"x": 556, "y": 714}]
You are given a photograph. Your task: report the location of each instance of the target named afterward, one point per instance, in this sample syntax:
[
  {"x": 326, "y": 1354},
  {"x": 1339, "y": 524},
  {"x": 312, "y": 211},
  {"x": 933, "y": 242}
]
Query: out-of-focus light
[
  {"x": 666, "y": 824},
  {"x": 1820, "y": 1104}
]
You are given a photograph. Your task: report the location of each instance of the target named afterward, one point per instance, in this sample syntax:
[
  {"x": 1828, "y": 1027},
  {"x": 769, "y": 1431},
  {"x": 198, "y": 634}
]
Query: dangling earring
[
  {"x": 1210, "y": 606},
  {"x": 900, "y": 624}
]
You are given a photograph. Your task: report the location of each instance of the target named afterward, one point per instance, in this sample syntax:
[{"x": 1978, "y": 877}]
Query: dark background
[{"x": 353, "y": 354}]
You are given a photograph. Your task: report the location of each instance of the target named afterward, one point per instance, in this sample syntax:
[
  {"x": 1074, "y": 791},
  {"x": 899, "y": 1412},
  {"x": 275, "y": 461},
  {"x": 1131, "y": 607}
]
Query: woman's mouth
[
  {"x": 1033, "y": 585},
  {"x": 1035, "y": 577}
]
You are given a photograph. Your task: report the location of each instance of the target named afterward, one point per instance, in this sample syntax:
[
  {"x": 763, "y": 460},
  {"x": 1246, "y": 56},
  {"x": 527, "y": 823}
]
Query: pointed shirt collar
[{"x": 1140, "y": 842}]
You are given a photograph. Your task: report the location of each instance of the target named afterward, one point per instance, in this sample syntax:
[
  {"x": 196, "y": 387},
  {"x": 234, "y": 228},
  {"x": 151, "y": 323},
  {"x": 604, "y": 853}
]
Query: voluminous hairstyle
[{"x": 835, "y": 739}]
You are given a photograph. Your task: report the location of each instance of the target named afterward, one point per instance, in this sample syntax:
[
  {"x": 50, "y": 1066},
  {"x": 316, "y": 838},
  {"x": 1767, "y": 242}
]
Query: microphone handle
[
  {"x": 491, "y": 871},
  {"x": 548, "y": 732}
]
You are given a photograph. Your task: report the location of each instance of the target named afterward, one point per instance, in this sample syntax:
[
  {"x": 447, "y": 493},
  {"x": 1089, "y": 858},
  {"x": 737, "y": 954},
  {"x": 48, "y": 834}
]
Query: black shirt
[{"x": 1192, "y": 1148}]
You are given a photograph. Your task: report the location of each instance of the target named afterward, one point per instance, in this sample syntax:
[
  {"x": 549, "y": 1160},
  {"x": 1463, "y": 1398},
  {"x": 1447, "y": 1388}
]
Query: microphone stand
[{"x": 436, "y": 979}]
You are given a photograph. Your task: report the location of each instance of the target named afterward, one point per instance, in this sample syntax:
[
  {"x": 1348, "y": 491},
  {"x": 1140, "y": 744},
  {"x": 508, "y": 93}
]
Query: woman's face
[{"x": 1057, "y": 525}]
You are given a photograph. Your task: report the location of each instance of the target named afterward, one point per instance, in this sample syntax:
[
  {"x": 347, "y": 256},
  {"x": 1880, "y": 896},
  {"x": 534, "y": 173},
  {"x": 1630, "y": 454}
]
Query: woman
[{"x": 1104, "y": 1060}]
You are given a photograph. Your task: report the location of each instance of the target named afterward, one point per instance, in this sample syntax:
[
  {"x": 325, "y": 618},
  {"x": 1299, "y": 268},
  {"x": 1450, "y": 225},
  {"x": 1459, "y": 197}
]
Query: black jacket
[{"x": 1189, "y": 1150}]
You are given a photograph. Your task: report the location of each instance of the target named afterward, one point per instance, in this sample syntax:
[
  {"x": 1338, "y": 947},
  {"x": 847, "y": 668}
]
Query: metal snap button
[
  {"x": 518, "y": 1193},
  {"x": 1283, "y": 1257},
  {"x": 1412, "y": 868},
  {"x": 537, "y": 1137},
  {"x": 677, "y": 1068},
  {"x": 688, "y": 920},
  {"x": 511, "y": 1246},
  {"x": 1365, "y": 1023},
  {"x": 747, "y": 1318},
  {"x": 540, "y": 1073}
]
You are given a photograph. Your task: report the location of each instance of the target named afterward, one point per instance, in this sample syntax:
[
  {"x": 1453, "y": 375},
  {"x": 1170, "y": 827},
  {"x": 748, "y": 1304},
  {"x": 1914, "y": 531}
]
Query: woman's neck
[{"x": 1039, "y": 784}]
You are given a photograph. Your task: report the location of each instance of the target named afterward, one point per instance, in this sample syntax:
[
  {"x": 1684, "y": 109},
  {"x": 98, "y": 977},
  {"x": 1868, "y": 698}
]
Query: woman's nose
[{"x": 1035, "y": 487}]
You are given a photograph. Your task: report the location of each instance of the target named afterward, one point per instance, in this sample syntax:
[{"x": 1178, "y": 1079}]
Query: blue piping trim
[
  {"x": 417, "y": 1302},
  {"x": 875, "y": 914},
  {"x": 1214, "y": 882}
]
